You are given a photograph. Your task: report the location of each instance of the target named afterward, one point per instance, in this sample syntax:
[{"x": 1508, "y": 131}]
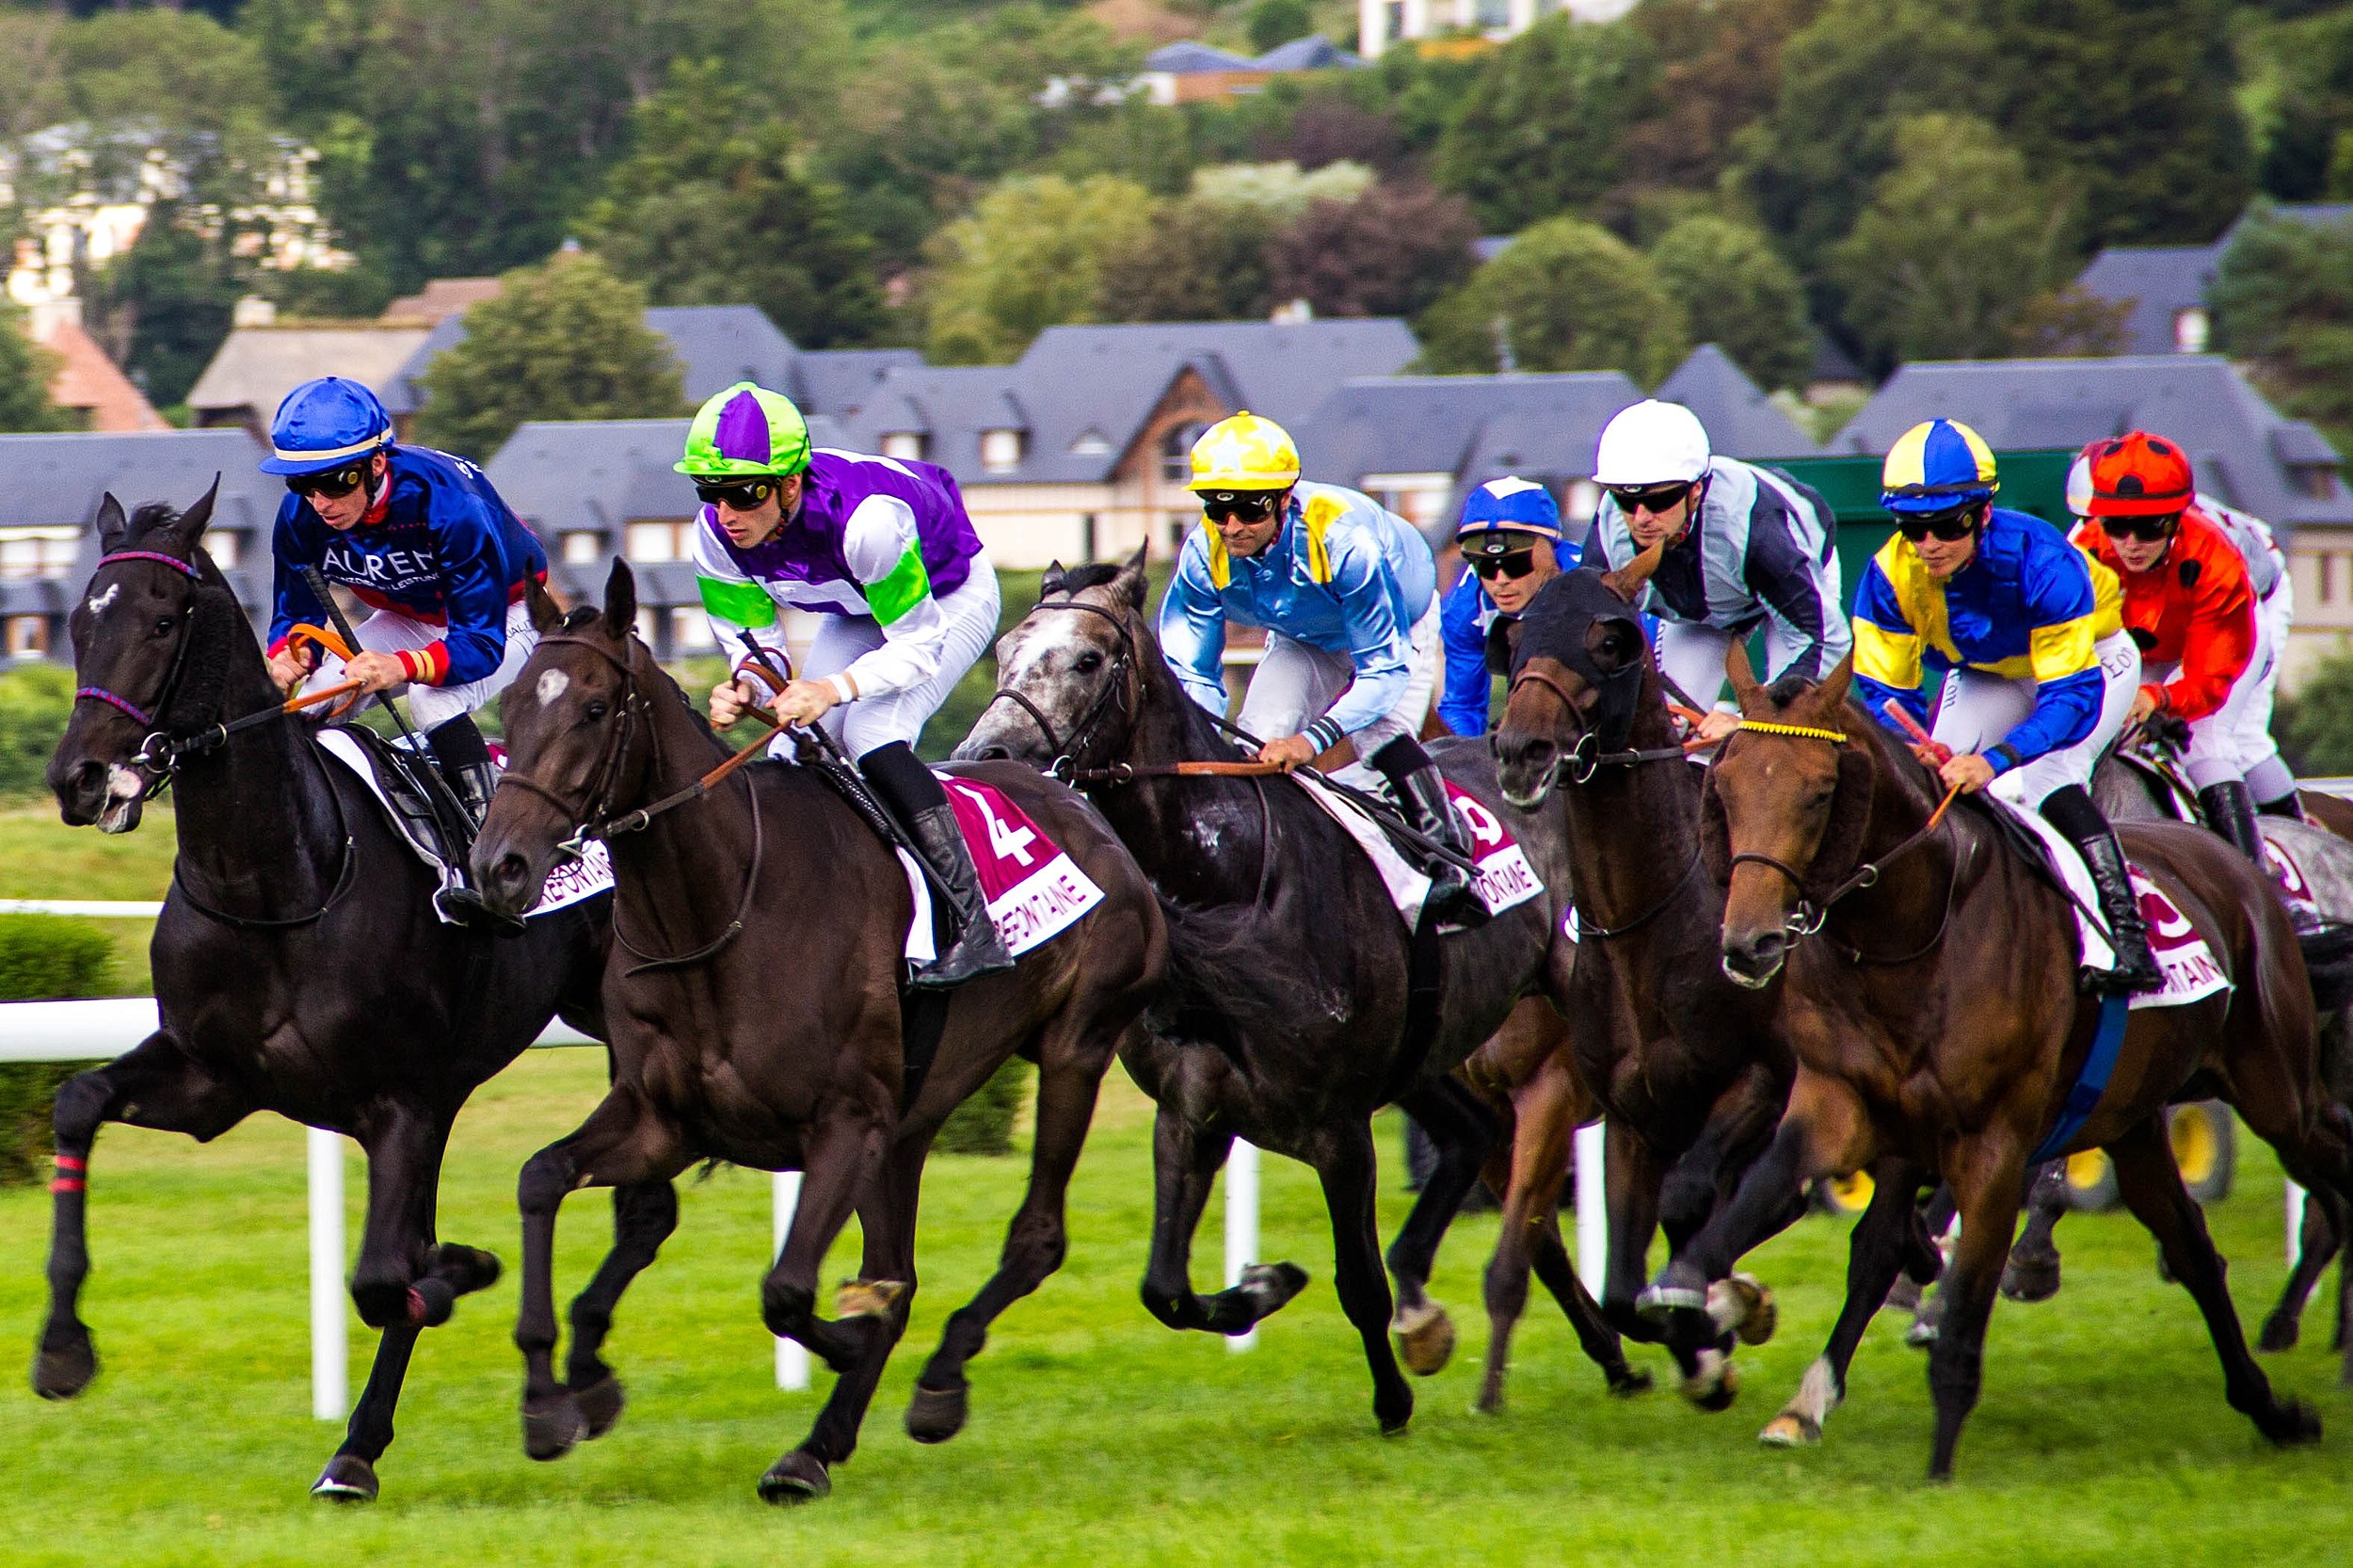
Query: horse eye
[
  {"x": 1088, "y": 663},
  {"x": 595, "y": 710},
  {"x": 166, "y": 625}
]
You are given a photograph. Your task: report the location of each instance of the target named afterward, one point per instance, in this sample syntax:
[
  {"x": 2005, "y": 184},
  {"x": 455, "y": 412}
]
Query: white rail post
[
  {"x": 791, "y": 1355},
  {"x": 329, "y": 1343},
  {"x": 1593, "y": 1208},
  {"x": 2294, "y": 1196},
  {"x": 1241, "y": 1226}
]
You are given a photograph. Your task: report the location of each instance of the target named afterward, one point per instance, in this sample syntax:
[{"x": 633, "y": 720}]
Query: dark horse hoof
[
  {"x": 553, "y": 1424},
  {"x": 599, "y": 1404},
  {"x": 935, "y": 1415},
  {"x": 2031, "y": 1279},
  {"x": 2280, "y": 1332},
  {"x": 466, "y": 1269},
  {"x": 347, "y": 1479},
  {"x": 1626, "y": 1382},
  {"x": 2292, "y": 1422},
  {"x": 61, "y": 1373},
  {"x": 1269, "y": 1286},
  {"x": 799, "y": 1477}
]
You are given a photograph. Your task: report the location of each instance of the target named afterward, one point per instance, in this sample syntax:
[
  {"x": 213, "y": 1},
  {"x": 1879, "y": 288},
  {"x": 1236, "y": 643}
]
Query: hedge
[
  {"x": 42, "y": 958},
  {"x": 984, "y": 1124}
]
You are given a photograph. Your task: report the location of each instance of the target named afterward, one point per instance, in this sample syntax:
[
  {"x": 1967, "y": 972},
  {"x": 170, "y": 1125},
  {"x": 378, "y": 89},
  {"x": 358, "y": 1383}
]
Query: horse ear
[
  {"x": 1052, "y": 582},
  {"x": 1628, "y": 580},
  {"x": 546, "y": 614},
  {"x": 192, "y": 522},
  {"x": 1831, "y": 695},
  {"x": 1131, "y": 584},
  {"x": 112, "y": 524},
  {"x": 1745, "y": 691},
  {"x": 621, "y": 601}
]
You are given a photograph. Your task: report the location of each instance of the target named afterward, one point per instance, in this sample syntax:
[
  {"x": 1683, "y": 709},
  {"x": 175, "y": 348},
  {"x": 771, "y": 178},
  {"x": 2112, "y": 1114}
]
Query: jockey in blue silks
[{"x": 1512, "y": 546}]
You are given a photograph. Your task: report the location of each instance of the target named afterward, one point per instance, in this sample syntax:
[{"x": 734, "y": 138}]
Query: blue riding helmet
[
  {"x": 1502, "y": 508},
  {"x": 325, "y": 425}
]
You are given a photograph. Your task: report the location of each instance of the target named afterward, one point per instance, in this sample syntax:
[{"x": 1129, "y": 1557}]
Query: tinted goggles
[
  {"x": 2145, "y": 530},
  {"x": 1957, "y": 522},
  {"x": 333, "y": 485},
  {"x": 1518, "y": 564},
  {"x": 1239, "y": 506},
  {"x": 1654, "y": 498},
  {"x": 737, "y": 495}
]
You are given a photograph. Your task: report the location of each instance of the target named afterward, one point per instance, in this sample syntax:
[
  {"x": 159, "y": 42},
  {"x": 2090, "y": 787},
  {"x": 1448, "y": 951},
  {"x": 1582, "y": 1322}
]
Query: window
[
  {"x": 663, "y": 539},
  {"x": 908, "y": 446},
  {"x": 1091, "y": 443},
  {"x": 38, "y": 551},
  {"x": 2316, "y": 480},
  {"x": 28, "y": 636},
  {"x": 647, "y": 620},
  {"x": 583, "y": 547},
  {"x": 1177, "y": 451},
  {"x": 2192, "y": 326},
  {"x": 1000, "y": 450},
  {"x": 2328, "y": 577},
  {"x": 690, "y": 632},
  {"x": 1180, "y": 524},
  {"x": 226, "y": 547}
]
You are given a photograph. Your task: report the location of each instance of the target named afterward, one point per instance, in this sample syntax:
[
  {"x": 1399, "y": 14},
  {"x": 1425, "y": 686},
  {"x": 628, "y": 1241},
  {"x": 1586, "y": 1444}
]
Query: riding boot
[
  {"x": 2070, "y": 810},
  {"x": 915, "y": 797},
  {"x": 1420, "y": 791},
  {"x": 2287, "y": 807},
  {"x": 2230, "y": 809},
  {"x": 464, "y": 758}
]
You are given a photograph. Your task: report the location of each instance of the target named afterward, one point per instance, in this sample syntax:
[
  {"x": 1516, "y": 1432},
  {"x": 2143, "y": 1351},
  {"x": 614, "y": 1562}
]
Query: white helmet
[
  {"x": 2079, "y": 488},
  {"x": 1651, "y": 444}
]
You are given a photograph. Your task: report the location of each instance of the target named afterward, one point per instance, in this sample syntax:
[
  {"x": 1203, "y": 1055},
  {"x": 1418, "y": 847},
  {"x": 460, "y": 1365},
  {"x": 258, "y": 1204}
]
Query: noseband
[{"x": 157, "y": 748}]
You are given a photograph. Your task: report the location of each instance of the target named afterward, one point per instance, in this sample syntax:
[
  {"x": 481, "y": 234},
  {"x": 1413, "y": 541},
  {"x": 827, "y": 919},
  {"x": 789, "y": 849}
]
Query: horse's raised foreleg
[
  {"x": 1462, "y": 1129},
  {"x": 156, "y": 1085},
  {"x": 1876, "y": 1254},
  {"x": 1989, "y": 1180},
  {"x": 644, "y": 1215},
  {"x": 1185, "y": 1163},
  {"x": 1349, "y": 1169},
  {"x": 2032, "y": 1273},
  {"x": 2315, "y": 1244}
]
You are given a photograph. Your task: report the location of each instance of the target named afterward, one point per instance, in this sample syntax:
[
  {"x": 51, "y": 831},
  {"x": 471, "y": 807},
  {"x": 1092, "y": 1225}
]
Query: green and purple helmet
[{"x": 744, "y": 432}]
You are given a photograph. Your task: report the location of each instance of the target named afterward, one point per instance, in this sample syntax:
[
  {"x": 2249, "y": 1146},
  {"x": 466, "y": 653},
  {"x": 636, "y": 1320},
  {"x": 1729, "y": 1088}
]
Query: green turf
[{"x": 1099, "y": 1438}]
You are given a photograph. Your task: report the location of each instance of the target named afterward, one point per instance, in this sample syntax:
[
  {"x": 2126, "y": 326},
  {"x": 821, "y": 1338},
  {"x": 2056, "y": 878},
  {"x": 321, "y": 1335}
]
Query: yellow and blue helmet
[{"x": 1937, "y": 466}]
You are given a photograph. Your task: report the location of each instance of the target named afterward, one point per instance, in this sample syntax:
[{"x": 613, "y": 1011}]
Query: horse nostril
[{"x": 992, "y": 753}]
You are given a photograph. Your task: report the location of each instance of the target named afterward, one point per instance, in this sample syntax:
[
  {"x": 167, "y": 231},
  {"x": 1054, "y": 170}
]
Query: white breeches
[
  {"x": 390, "y": 632},
  {"x": 2235, "y": 738},
  {"x": 1693, "y": 655},
  {"x": 1297, "y": 682},
  {"x": 1979, "y": 710},
  {"x": 970, "y": 614}
]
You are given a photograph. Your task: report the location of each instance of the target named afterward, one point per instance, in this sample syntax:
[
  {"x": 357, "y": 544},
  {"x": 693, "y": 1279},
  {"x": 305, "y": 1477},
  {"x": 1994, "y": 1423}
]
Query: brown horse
[
  {"x": 756, "y": 1017},
  {"x": 1930, "y": 994}
]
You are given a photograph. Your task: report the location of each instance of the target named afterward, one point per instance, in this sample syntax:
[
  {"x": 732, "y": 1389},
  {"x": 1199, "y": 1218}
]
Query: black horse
[
  {"x": 1289, "y": 1021},
  {"x": 300, "y": 967}
]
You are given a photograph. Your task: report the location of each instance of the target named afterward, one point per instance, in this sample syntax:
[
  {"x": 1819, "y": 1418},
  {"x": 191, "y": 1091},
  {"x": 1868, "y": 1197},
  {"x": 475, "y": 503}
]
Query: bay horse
[
  {"x": 755, "y": 995},
  {"x": 1289, "y": 1020},
  {"x": 1929, "y": 989},
  {"x": 298, "y": 964}
]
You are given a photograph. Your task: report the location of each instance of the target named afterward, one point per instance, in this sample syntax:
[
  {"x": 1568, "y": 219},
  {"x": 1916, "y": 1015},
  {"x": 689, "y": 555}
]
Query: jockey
[
  {"x": 1512, "y": 546},
  {"x": 2190, "y": 606},
  {"x": 2026, "y": 631},
  {"x": 882, "y": 552},
  {"x": 1745, "y": 546},
  {"x": 1346, "y": 592},
  {"x": 2268, "y": 779},
  {"x": 421, "y": 539}
]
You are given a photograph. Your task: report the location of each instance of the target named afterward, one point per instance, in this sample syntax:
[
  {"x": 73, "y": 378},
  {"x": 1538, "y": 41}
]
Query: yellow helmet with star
[{"x": 1245, "y": 453}]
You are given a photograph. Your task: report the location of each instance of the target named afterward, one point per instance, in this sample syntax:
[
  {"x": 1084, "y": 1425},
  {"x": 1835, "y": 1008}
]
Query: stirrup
[{"x": 465, "y": 907}]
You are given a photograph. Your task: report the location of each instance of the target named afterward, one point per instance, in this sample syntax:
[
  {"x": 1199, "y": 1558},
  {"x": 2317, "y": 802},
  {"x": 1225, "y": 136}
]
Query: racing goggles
[
  {"x": 1239, "y": 506},
  {"x": 2144, "y": 530},
  {"x": 333, "y": 485},
  {"x": 736, "y": 495},
  {"x": 1516, "y": 565},
  {"x": 1953, "y": 523},
  {"x": 1654, "y": 498}
]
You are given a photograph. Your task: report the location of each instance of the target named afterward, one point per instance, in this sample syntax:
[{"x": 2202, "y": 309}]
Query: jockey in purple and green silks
[{"x": 882, "y": 552}]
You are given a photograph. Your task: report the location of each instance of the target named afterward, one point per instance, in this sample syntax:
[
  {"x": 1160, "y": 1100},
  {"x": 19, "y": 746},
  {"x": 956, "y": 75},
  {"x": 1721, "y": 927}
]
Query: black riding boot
[
  {"x": 1420, "y": 793},
  {"x": 2288, "y": 806},
  {"x": 2070, "y": 810},
  {"x": 916, "y": 798},
  {"x": 464, "y": 760},
  {"x": 2230, "y": 809}
]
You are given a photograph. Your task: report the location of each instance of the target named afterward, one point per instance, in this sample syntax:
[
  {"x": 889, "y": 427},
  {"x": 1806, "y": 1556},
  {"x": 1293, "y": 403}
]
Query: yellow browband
[{"x": 1803, "y": 731}]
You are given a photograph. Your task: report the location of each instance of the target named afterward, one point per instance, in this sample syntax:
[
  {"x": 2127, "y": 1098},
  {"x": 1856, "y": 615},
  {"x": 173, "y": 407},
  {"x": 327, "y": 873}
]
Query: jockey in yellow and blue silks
[
  {"x": 1512, "y": 546},
  {"x": 1346, "y": 591},
  {"x": 2025, "y": 632}
]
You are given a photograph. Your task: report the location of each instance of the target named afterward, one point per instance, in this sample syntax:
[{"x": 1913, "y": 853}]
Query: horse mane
[{"x": 1088, "y": 574}]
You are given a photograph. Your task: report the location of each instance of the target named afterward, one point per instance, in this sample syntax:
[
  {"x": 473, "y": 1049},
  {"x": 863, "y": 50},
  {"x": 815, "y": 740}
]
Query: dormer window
[
  {"x": 1091, "y": 443},
  {"x": 2192, "y": 326},
  {"x": 1000, "y": 450},
  {"x": 1177, "y": 451},
  {"x": 905, "y": 445}
]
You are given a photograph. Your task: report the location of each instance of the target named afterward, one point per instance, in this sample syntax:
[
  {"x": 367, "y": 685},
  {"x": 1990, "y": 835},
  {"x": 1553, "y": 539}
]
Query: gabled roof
[
  {"x": 441, "y": 298},
  {"x": 1741, "y": 420},
  {"x": 1313, "y": 52},
  {"x": 716, "y": 347},
  {"x": 2243, "y": 447},
  {"x": 89, "y": 380},
  {"x": 1187, "y": 56},
  {"x": 255, "y": 367},
  {"x": 1476, "y": 427},
  {"x": 2159, "y": 279},
  {"x": 838, "y": 381}
]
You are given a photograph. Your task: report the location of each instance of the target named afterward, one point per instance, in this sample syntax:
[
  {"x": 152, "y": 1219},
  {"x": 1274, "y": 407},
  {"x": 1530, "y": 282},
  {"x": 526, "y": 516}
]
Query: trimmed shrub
[
  {"x": 42, "y": 958},
  {"x": 984, "y": 1124}
]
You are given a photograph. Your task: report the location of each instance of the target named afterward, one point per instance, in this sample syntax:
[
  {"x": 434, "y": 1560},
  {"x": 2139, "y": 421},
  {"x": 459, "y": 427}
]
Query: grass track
[{"x": 1097, "y": 1437}]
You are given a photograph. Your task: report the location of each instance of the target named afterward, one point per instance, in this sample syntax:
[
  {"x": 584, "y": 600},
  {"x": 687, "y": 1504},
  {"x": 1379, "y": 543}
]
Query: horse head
[
  {"x": 154, "y": 596},
  {"x": 1576, "y": 664},
  {"x": 1069, "y": 677}
]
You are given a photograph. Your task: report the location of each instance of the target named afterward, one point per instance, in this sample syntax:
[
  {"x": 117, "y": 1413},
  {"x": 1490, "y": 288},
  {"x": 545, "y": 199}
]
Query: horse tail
[
  {"x": 1225, "y": 974},
  {"x": 2328, "y": 954}
]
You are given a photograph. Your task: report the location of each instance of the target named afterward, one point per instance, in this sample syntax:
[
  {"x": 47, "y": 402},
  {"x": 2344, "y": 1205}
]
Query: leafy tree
[
  {"x": 177, "y": 82},
  {"x": 163, "y": 307},
  {"x": 1542, "y": 130},
  {"x": 1391, "y": 251},
  {"x": 2318, "y": 731},
  {"x": 1740, "y": 294},
  {"x": 1718, "y": 65},
  {"x": 1566, "y": 296},
  {"x": 1029, "y": 256},
  {"x": 1274, "y": 22},
  {"x": 1280, "y": 188},
  {"x": 1957, "y": 239},
  {"x": 26, "y": 370},
  {"x": 1197, "y": 260},
  {"x": 2282, "y": 301},
  {"x": 1327, "y": 128},
  {"x": 716, "y": 207},
  {"x": 2310, "y": 111},
  {"x": 565, "y": 340},
  {"x": 2069, "y": 324}
]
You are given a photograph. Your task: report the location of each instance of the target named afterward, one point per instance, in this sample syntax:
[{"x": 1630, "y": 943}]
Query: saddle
[{"x": 411, "y": 808}]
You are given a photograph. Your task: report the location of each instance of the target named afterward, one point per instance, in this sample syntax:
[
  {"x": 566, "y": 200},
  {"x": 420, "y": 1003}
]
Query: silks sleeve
[
  {"x": 735, "y": 603},
  {"x": 1378, "y": 644},
  {"x": 473, "y": 591},
  {"x": 1193, "y": 627},
  {"x": 2061, "y": 606},
  {"x": 886, "y": 557},
  {"x": 1793, "y": 570},
  {"x": 1887, "y": 648},
  {"x": 2216, "y": 648},
  {"x": 1469, "y": 685}
]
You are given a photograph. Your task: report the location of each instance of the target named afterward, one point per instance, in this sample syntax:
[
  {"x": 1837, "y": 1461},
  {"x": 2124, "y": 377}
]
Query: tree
[
  {"x": 1198, "y": 261},
  {"x": 2283, "y": 302},
  {"x": 2071, "y": 324},
  {"x": 1282, "y": 189},
  {"x": 1957, "y": 239},
  {"x": 26, "y": 370},
  {"x": 1274, "y": 22},
  {"x": 565, "y": 340},
  {"x": 1740, "y": 294},
  {"x": 1029, "y": 256},
  {"x": 1542, "y": 130},
  {"x": 1392, "y": 251},
  {"x": 2310, "y": 108},
  {"x": 1566, "y": 296},
  {"x": 163, "y": 307},
  {"x": 1720, "y": 63},
  {"x": 2319, "y": 724},
  {"x": 715, "y": 207}
]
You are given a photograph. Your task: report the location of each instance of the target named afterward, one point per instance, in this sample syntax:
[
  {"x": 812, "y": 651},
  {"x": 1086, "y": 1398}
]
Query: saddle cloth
[
  {"x": 364, "y": 753},
  {"x": 1036, "y": 891},
  {"x": 1499, "y": 868},
  {"x": 2191, "y": 971}
]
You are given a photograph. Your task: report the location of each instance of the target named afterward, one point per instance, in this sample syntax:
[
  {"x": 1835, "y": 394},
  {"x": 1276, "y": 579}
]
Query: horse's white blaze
[
  {"x": 1040, "y": 639},
  {"x": 98, "y": 602},
  {"x": 551, "y": 685}
]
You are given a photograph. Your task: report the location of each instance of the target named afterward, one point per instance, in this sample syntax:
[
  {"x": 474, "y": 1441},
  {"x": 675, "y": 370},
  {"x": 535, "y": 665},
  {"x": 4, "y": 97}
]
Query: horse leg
[
  {"x": 1185, "y": 1163},
  {"x": 1599, "y": 1341},
  {"x": 1988, "y": 1179},
  {"x": 2150, "y": 1185},
  {"x": 1876, "y": 1250},
  {"x": 2032, "y": 1273},
  {"x": 644, "y": 1215},
  {"x": 1635, "y": 1176},
  {"x": 1926, "y": 1264},
  {"x": 154, "y": 1085},
  {"x": 2317, "y": 1243},
  {"x": 1349, "y": 1170},
  {"x": 625, "y": 1142},
  {"x": 1462, "y": 1130}
]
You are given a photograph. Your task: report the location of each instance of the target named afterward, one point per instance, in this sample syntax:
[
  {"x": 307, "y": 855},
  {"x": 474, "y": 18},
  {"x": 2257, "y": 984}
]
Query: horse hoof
[
  {"x": 1425, "y": 1338},
  {"x": 2031, "y": 1280},
  {"x": 1744, "y": 1305},
  {"x": 347, "y": 1479},
  {"x": 797, "y": 1477},
  {"x": 1715, "y": 1384},
  {"x": 1921, "y": 1335},
  {"x": 2293, "y": 1422},
  {"x": 1626, "y": 1382},
  {"x": 61, "y": 1374},
  {"x": 935, "y": 1415},
  {"x": 599, "y": 1404},
  {"x": 2280, "y": 1333},
  {"x": 1790, "y": 1430},
  {"x": 1270, "y": 1286},
  {"x": 466, "y": 1269},
  {"x": 552, "y": 1425}
]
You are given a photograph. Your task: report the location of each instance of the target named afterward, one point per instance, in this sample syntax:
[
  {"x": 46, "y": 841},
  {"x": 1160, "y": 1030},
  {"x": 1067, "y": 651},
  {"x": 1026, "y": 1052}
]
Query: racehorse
[
  {"x": 1289, "y": 1020},
  {"x": 758, "y": 1018},
  {"x": 298, "y": 964},
  {"x": 1964, "y": 1047}
]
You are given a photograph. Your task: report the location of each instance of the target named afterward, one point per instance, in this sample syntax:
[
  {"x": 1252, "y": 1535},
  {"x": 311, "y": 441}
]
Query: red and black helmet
[{"x": 2140, "y": 475}]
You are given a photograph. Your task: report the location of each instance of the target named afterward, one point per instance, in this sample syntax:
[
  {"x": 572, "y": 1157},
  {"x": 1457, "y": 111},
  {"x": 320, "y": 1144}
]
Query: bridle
[{"x": 1065, "y": 748}]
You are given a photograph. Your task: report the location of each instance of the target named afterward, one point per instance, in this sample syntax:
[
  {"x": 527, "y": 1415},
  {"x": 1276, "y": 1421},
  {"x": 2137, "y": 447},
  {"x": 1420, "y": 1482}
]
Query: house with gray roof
[
  {"x": 2165, "y": 285},
  {"x": 2246, "y": 452},
  {"x": 1189, "y": 72},
  {"x": 258, "y": 364},
  {"x": 1743, "y": 422}
]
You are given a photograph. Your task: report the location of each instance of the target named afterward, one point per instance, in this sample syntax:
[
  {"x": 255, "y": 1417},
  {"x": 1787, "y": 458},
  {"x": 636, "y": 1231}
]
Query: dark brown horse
[
  {"x": 755, "y": 994},
  {"x": 1933, "y": 1006}
]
